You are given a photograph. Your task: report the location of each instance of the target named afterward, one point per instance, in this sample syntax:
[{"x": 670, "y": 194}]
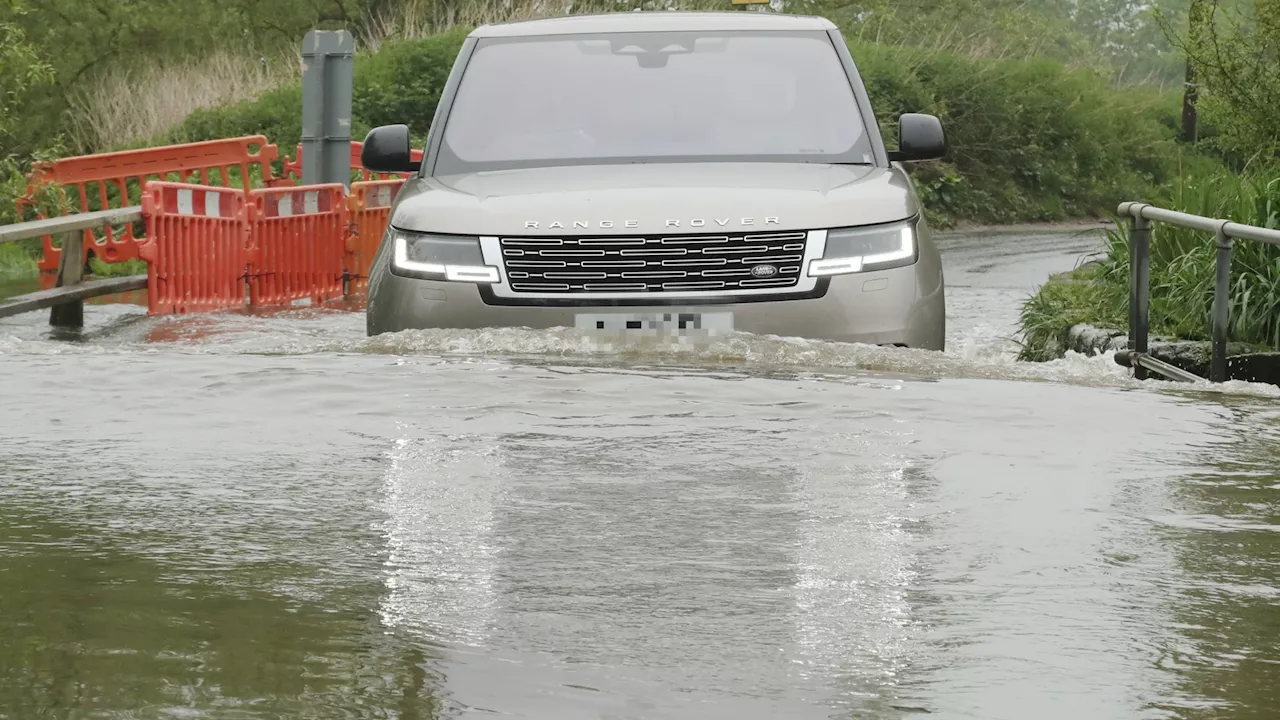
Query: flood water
[{"x": 276, "y": 517}]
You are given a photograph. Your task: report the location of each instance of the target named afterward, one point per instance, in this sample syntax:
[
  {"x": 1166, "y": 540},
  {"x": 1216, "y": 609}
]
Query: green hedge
[{"x": 1030, "y": 139}]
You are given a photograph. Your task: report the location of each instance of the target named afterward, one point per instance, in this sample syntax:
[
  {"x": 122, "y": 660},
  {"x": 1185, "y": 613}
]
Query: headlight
[
  {"x": 440, "y": 257},
  {"x": 862, "y": 249}
]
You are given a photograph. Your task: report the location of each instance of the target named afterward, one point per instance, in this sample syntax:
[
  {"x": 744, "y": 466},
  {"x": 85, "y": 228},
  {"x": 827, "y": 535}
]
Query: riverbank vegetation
[
  {"x": 1235, "y": 59},
  {"x": 1182, "y": 275}
]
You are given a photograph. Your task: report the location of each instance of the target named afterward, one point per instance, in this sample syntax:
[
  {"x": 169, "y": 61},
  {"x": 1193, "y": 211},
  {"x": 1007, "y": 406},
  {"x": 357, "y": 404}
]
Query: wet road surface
[{"x": 274, "y": 516}]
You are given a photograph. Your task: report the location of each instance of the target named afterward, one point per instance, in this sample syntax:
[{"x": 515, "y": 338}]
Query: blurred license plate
[{"x": 674, "y": 323}]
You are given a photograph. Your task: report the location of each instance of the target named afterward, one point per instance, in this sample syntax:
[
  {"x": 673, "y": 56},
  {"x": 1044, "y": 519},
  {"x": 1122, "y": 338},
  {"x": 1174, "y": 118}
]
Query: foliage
[
  {"x": 1121, "y": 38},
  {"x": 102, "y": 269},
  {"x": 1030, "y": 139},
  {"x": 276, "y": 114},
  {"x": 90, "y": 46},
  {"x": 126, "y": 106},
  {"x": 403, "y": 81},
  {"x": 83, "y": 39},
  {"x": 14, "y": 184},
  {"x": 1067, "y": 300},
  {"x": 16, "y": 260},
  {"x": 1236, "y": 55},
  {"x": 21, "y": 68},
  {"x": 1182, "y": 274},
  {"x": 400, "y": 83}
]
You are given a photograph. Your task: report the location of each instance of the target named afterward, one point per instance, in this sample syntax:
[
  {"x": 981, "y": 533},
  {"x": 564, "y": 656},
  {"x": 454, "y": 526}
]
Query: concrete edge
[{"x": 1244, "y": 362}]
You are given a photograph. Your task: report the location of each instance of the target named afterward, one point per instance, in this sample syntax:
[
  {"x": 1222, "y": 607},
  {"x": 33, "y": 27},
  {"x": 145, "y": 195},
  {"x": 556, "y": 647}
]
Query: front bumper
[{"x": 904, "y": 306}]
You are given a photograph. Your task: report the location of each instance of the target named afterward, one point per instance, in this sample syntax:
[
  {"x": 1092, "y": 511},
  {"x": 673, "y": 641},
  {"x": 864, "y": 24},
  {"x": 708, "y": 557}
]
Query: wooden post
[{"x": 70, "y": 272}]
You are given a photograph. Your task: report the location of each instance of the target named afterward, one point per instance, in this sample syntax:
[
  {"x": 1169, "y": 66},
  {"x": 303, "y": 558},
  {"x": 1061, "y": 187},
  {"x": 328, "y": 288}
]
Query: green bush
[
  {"x": 1030, "y": 140},
  {"x": 276, "y": 114},
  {"x": 403, "y": 81}
]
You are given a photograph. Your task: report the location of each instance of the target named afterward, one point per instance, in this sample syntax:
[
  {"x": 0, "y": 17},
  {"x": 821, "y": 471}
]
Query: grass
[
  {"x": 105, "y": 270},
  {"x": 1066, "y": 300},
  {"x": 129, "y": 106},
  {"x": 21, "y": 259},
  {"x": 1182, "y": 274},
  {"x": 16, "y": 260}
]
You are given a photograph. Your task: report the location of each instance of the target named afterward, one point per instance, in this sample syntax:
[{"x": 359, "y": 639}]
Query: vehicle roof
[{"x": 664, "y": 21}]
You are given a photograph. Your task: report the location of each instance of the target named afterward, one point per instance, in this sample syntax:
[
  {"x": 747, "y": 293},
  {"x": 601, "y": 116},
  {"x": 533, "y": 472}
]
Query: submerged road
[{"x": 273, "y": 516}]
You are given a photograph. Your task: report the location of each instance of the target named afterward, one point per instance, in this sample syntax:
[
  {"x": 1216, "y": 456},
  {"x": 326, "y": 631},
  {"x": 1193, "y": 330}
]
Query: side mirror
[
  {"x": 386, "y": 150},
  {"x": 920, "y": 137}
]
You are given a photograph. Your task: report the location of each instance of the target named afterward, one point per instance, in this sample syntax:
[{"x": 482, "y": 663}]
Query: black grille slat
[{"x": 656, "y": 264}]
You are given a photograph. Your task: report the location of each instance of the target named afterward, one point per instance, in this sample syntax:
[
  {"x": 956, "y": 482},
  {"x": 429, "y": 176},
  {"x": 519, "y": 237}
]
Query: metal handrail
[{"x": 1225, "y": 234}]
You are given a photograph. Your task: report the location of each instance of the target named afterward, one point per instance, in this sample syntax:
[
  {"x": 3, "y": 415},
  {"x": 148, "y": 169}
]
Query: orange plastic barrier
[
  {"x": 293, "y": 168},
  {"x": 196, "y": 247},
  {"x": 370, "y": 204},
  {"x": 299, "y": 236},
  {"x": 116, "y": 180}
]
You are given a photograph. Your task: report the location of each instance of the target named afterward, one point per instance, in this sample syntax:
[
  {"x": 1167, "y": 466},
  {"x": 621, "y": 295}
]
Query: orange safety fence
[
  {"x": 299, "y": 237},
  {"x": 196, "y": 247},
  {"x": 370, "y": 204},
  {"x": 112, "y": 180},
  {"x": 293, "y": 168}
]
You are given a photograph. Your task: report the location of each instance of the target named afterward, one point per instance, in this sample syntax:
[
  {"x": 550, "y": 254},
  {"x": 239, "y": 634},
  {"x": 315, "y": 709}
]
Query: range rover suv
[{"x": 660, "y": 171}]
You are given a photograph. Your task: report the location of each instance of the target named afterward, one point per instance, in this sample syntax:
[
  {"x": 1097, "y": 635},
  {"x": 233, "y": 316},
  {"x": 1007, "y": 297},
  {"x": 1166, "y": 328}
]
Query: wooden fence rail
[{"x": 66, "y": 298}]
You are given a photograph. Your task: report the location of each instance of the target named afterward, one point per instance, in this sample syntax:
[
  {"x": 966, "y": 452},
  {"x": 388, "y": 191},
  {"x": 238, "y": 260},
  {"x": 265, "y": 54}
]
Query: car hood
[{"x": 655, "y": 199}]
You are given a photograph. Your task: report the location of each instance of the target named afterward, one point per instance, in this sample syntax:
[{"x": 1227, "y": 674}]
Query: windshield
[{"x": 653, "y": 97}]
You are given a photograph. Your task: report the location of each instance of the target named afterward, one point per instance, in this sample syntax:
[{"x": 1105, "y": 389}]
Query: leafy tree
[
  {"x": 21, "y": 68},
  {"x": 1233, "y": 56}
]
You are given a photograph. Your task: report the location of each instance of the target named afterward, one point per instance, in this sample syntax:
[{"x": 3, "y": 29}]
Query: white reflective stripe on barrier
[
  {"x": 186, "y": 206},
  {"x": 213, "y": 204},
  {"x": 310, "y": 204}
]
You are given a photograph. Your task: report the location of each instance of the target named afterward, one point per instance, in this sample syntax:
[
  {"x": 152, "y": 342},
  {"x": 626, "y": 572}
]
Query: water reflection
[
  {"x": 94, "y": 628},
  {"x": 238, "y": 535},
  {"x": 439, "y": 495},
  {"x": 1224, "y": 522}
]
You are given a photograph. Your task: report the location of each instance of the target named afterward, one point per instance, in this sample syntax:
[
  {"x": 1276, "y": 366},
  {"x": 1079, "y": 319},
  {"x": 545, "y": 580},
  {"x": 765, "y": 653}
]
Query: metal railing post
[
  {"x": 1221, "y": 307},
  {"x": 1139, "y": 286},
  {"x": 1141, "y": 217}
]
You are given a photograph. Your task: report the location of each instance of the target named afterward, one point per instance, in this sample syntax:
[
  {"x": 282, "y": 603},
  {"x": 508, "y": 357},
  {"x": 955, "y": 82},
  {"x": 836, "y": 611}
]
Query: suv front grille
[{"x": 675, "y": 263}]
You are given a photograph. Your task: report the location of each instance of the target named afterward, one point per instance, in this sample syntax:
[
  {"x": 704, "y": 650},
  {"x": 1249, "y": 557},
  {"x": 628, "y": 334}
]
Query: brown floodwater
[{"x": 271, "y": 516}]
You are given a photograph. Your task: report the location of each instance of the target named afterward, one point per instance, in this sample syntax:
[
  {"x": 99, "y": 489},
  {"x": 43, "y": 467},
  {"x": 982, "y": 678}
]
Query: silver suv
[{"x": 660, "y": 172}]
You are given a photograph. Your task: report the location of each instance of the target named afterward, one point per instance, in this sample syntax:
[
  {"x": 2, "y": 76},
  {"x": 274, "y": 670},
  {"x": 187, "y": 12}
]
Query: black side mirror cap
[
  {"x": 920, "y": 137},
  {"x": 387, "y": 150}
]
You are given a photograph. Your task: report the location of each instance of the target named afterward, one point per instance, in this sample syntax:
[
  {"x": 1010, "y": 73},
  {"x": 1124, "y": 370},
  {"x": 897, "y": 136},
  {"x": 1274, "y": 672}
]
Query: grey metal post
[
  {"x": 327, "y": 61},
  {"x": 1139, "y": 287},
  {"x": 1221, "y": 307}
]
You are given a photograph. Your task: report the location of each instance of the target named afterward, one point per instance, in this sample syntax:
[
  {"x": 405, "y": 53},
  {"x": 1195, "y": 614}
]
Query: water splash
[{"x": 976, "y": 351}]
